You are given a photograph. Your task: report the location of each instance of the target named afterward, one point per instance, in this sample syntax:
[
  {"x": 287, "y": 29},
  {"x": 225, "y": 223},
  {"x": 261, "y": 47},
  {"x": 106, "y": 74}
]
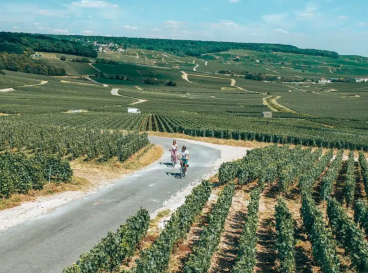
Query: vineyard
[
  {"x": 306, "y": 211},
  {"x": 198, "y": 110},
  {"x": 32, "y": 156}
]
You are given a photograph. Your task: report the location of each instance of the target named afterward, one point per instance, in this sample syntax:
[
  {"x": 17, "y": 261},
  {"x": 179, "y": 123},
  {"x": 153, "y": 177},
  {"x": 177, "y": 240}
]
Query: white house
[
  {"x": 133, "y": 111},
  {"x": 361, "y": 80},
  {"x": 324, "y": 81}
]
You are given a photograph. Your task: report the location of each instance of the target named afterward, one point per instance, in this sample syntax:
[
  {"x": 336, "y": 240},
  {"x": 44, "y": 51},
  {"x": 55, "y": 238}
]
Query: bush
[
  {"x": 171, "y": 83},
  {"x": 63, "y": 58}
]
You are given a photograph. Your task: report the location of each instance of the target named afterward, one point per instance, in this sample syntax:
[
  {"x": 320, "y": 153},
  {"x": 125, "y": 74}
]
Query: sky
[{"x": 337, "y": 25}]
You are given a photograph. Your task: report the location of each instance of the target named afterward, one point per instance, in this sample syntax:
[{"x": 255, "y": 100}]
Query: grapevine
[
  {"x": 246, "y": 259},
  {"x": 156, "y": 258},
  {"x": 348, "y": 235},
  {"x": 108, "y": 254},
  {"x": 323, "y": 244},
  {"x": 349, "y": 188},
  {"x": 200, "y": 259},
  {"x": 330, "y": 176},
  {"x": 285, "y": 237}
]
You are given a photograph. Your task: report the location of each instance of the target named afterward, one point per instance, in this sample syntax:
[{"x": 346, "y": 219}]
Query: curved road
[{"x": 55, "y": 240}]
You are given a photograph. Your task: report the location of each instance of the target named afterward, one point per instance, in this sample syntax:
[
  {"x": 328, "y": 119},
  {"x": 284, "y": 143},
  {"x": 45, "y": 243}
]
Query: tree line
[
  {"x": 196, "y": 48},
  {"x": 81, "y": 45},
  {"x": 23, "y": 63},
  {"x": 18, "y": 43}
]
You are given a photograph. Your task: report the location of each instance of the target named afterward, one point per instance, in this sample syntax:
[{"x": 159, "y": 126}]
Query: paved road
[{"x": 53, "y": 241}]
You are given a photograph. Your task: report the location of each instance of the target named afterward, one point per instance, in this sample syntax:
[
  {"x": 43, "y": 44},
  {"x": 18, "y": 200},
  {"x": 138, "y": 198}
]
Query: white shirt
[
  {"x": 174, "y": 147},
  {"x": 184, "y": 155}
]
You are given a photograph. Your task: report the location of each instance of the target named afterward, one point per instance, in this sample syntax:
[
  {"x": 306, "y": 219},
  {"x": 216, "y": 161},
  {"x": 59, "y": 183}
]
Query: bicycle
[
  {"x": 173, "y": 160},
  {"x": 182, "y": 171}
]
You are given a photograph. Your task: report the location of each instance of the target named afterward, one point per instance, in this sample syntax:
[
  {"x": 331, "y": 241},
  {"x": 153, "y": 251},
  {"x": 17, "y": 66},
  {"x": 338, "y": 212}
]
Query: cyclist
[
  {"x": 174, "y": 150},
  {"x": 184, "y": 158}
]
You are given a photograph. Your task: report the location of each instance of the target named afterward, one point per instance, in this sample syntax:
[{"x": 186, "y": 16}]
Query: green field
[
  {"x": 277, "y": 63},
  {"x": 208, "y": 100}
]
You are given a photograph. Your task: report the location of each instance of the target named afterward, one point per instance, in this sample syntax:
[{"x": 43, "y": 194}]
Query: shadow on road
[
  {"x": 167, "y": 164},
  {"x": 176, "y": 175}
]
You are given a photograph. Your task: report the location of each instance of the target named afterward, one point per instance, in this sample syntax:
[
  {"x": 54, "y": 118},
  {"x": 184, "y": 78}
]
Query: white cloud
[
  {"x": 87, "y": 32},
  {"x": 52, "y": 13},
  {"x": 227, "y": 24},
  {"x": 62, "y": 31},
  {"x": 308, "y": 13},
  {"x": 127, "y": 27},
  {"x": 343, "y": 17},
  {"x": 274, "y": 18},
  {"x": 37, "y": 24},
  {"x": 94, "y": 4},
  {"x": 234, "y": 1},
  {"x": 174, "y": 24},
  {"x": 280, "y": 30},
  {"x": 16, "y": 27},
  {"x": 361, "y": 24},
  {"x": 155, "y": 29}
]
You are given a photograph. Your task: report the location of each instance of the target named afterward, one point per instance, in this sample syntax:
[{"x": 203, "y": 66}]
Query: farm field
[
  {"x": 277, "y": 63},
  {"x": 204, "y": 102},
  {"x": 266, "y": 212}
]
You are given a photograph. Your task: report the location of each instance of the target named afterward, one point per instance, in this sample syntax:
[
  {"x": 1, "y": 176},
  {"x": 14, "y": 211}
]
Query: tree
[{"x": 171, "y": 83}]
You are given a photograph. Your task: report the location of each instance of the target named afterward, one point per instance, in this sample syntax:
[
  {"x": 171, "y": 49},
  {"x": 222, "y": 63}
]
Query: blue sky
[{"x": 338, "y": 25}]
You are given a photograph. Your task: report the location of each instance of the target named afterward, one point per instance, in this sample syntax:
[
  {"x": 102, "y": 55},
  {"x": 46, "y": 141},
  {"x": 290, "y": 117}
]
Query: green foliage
[
  {"x": 285, "y": 244},
  {"x": 81, "y": 60},
  {"x": 349, "y": 189},
  {"x": 330, "y": 176},
  {"x": 171, "y": 83},
  {"x": 71, "y": 142},
  {"x": 269, "y": 78},
  {"x": 105, "y": 61},
  {"x": 323, "y": 243},
  {"x": 304, "y": 161},
  {"x": 364, "y": 169},
  {"x": 361, "y": 214},
  {"x": 246, "y": 259},
  {"x": 196, "y": 48},
  {"x": 44, "y": 43},
  {"x": 156, "y": 258},
  {"x": 228, "y": 171},
  {"x": 308, "y": 179},
  {"x": 152, "y": 81},
  {"x": 108, "y": 254},
  {"x": 19, "y": 174},
  {"x": 200, "y": 258},
  {"x": 22, "y": 63},
  {"x": 314, "y": 141},
  {"x": 259, "y": 163},
  {"x": 348, "y": 235}
]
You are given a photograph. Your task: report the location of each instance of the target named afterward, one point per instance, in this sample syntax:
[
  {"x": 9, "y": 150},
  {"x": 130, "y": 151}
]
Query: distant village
[
  {"x": 106, "y": 48},
  {"x": 332, "y": 80}
]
